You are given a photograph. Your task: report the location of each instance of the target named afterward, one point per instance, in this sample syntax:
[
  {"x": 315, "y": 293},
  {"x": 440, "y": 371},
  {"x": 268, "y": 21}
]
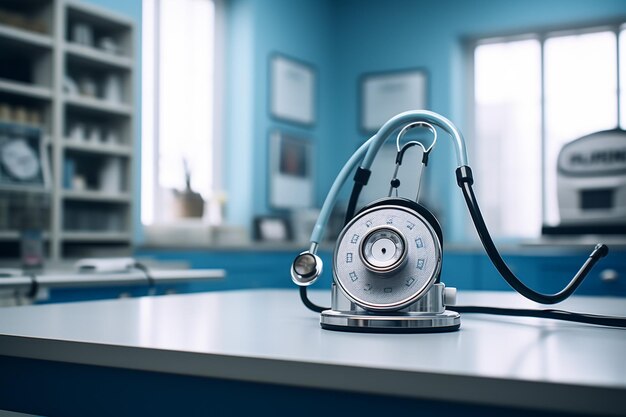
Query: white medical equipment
[
  {"x": 591, "y": 184},
  {"x": 388, "y": 257}
]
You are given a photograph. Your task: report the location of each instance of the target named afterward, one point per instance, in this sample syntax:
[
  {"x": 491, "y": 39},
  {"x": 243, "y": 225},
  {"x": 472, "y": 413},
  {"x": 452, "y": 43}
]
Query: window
[
  {"x": 508, "y": 124},
  {"x": 580, "y": 97},
  {"x": 178, "y": 131},
  {"x": 533, "y": 94}
]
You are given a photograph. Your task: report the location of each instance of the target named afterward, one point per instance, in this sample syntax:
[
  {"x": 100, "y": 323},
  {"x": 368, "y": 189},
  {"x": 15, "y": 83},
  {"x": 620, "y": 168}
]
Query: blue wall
[
  {"x": 393, "y": 34},
  {"x": 342, "y": 40},
  {"x": 303, "y": 30},
  {"x": 240, "y": 146}
]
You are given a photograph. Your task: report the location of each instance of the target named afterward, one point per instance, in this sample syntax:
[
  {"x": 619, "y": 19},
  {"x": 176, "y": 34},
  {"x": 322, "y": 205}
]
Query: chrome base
[
  {"x": 448, "y": 321},
  {"x": 427, "y": 315}
]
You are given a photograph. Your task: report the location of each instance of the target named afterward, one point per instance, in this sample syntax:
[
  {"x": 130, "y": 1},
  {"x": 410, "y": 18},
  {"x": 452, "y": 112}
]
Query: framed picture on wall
[
  {"x": 292, "y": 90},
  {"x": 291, "y": 171},
  {"x": 383, "y": 95}
]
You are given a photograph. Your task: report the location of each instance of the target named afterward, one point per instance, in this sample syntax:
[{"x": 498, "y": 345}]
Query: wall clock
[{"x": 22, "y": 156}]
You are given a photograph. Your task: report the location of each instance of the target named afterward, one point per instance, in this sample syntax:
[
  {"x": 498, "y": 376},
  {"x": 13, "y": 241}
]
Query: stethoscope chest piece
[{"x": 386, "y": 270}]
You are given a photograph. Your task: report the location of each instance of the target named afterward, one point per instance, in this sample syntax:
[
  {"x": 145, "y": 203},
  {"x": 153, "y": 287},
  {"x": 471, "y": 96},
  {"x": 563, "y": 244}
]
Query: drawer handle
[{"x": 609, "y": 275}]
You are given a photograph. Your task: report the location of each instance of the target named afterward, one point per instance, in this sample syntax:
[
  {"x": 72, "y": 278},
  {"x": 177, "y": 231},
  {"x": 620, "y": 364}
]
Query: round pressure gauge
[{"x": 387, "y": 257}]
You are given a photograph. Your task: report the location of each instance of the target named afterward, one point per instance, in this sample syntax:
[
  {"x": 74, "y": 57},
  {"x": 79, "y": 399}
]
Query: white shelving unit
[{"x": 82, "y": 63}]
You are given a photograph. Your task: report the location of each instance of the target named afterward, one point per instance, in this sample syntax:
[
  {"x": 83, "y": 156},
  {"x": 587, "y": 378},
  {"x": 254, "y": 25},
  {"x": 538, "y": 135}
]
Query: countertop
[{"x": 267, "y": 336}]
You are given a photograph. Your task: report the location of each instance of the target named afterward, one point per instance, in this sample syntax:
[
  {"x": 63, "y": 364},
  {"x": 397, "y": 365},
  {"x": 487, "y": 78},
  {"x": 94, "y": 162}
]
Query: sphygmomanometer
[{"x": 388, "y": 257}]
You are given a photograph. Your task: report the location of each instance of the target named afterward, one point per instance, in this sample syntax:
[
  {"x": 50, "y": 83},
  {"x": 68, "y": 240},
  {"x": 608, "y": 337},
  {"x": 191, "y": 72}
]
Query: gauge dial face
[
  {"x": 386, "y": 258},
  {"x": 19, "y": 160},
  {"x": 383, "y": 249}
]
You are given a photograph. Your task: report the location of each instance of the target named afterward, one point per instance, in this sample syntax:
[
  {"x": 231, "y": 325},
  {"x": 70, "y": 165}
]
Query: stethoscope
[{"x": 307, "y": 266}]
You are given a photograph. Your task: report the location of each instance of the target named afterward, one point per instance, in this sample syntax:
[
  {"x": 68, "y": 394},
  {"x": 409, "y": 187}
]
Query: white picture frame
[
  {"x": 292, "y": 90},
  {"x": 291, "y": 171},
  {"x": 384, "y": 95}
]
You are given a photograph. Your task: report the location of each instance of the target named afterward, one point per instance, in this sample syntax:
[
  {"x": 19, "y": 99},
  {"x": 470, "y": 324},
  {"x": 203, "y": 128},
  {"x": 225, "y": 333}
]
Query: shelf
[
  {"x": 98, "y": 105},
  {"x": 95, "y": 236},
  {"x": 98, "y": 148},
  {"x": 97, "y": 15},
  {"x": 11, "y": 235},
  {"x": 95, "y": 56},
  {"x": 25, "y": 188},
  {"x": 24, "y": 37},
  {"x": 96, "y": 196},
  {"x": 31, "y": 91}
]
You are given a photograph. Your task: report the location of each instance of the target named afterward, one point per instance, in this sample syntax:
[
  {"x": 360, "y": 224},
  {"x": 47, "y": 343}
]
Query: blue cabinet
[
  {"x": 460, "y": 270},
  {"x": 543, "y": 269},
  {"x": 607, "y": 278}
]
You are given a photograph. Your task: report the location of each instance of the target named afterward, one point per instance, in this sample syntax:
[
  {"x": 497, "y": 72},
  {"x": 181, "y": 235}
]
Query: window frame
[{"x": 541, "y": 34}]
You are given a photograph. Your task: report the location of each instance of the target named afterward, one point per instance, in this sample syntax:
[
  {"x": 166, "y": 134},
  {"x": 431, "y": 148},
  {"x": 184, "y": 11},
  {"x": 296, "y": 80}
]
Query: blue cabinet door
[
  {"x": 608, "y": 277},
  {"x": 459, "y": 270}
]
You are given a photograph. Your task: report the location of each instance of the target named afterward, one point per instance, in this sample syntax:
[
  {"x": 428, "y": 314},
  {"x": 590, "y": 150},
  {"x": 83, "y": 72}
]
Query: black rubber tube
[
  {"x": 354, "y": 198},
  {"x": 545, "y": 314},
  {"x": 310, "y": 304},
  {"x": 599, "y": 252}
]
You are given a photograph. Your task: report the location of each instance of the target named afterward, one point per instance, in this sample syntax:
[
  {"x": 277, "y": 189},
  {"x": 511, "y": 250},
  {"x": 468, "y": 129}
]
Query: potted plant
[{"x": 188, "y": 203}]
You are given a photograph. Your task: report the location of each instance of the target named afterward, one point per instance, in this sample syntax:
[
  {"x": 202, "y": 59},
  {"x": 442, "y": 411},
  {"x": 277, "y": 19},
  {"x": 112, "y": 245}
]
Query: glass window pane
[
  {"x": 177, "y": 123},
  {"x": 184, "y": 101},
  {"x": 580, "y": 98},
  {"x": 508, "y": 136},
  {"x": 185, "y": 105}
]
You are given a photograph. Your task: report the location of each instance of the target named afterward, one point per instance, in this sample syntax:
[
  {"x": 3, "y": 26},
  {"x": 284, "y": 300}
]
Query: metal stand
[{"x": 427, "y": 315}]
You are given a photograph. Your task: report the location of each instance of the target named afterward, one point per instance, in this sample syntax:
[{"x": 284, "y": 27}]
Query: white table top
[{"x": 269, "y": 336}]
